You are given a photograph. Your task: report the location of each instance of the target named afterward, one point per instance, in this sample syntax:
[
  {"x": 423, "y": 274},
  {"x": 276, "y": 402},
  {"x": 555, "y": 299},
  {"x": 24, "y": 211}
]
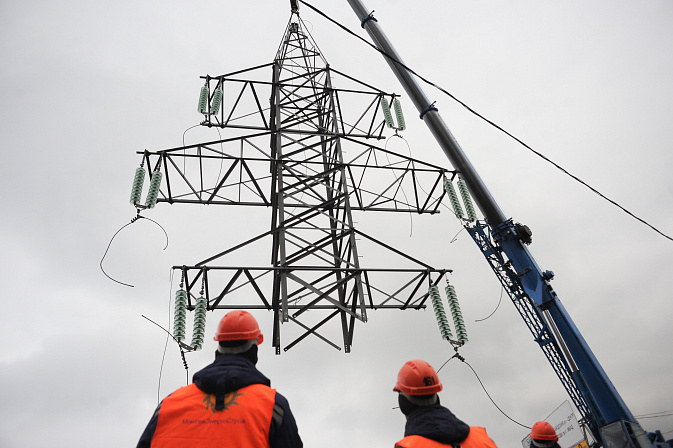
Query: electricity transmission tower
[{"x": 287, "y": 154}]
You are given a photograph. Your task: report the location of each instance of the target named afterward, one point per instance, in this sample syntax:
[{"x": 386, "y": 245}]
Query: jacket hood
[
  {"x": 437, "y": 423},
  {"x": 228, "y": 373}
]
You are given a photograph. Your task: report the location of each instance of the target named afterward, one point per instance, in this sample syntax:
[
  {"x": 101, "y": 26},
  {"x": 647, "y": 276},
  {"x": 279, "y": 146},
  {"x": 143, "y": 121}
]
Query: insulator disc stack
[
  {"x": 199, "y": 323},
  {"x": 401, "y": 124},
  {"x": 387, "y": 115},
  {"x": 458, "y": 322},
  {"x": 217, "y": 101},
  {"x": 180, "y": 315},
  {"x": 137, "y": 188},
  {"x": 203, "y": 100},
  {"x": 440, "y": 315},
  {"x": 453, "y": 197},
  {"x": 467, "y": 200},
  {"x": 153, "y": 192}
]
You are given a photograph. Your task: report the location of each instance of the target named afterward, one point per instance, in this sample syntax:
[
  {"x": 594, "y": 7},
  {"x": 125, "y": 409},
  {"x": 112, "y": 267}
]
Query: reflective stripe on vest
[
  {"x": 188, "y": 419},
  {"x": 477, "y": 438}
]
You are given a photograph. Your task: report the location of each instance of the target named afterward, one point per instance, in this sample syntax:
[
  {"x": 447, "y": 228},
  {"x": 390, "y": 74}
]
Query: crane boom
[{"x": 503, "y": 243}]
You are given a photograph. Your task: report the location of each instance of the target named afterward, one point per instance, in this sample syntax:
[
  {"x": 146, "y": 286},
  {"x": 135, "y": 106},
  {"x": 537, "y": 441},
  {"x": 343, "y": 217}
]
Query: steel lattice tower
[{"x": 289, "y": 156}]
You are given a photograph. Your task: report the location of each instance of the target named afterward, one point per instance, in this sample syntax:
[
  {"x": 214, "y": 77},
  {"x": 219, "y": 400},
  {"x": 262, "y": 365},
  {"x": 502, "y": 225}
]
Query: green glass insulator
[
  {"x": 458, "y": 321},
  {"x": 137, "y": 188},
  {"x": 385, "y": 107},
  {"x": 217, "y": 102},
  {"x": 203, "y": 100},
  {"x": 401, "y": 124},
  {"x": 153, "y": 192},
  {"x": 467, "y": 200},
  {"x": 453, "y": 198},
  {"x": 440, "y": 315},
  {"x": 180, "y": 314}
]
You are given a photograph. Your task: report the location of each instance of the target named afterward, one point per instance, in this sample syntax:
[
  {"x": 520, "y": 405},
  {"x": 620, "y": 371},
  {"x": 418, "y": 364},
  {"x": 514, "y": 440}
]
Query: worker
[
  {"x": 543, "y": 435},
  {"x": 229, "y": 402},
  {"x": 429, "y": 424}
]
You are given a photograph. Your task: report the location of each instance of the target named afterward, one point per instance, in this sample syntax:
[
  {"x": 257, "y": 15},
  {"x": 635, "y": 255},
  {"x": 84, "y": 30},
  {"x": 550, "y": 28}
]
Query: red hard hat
[
  {"x": 417, "y": 378},
  {"x": 543, "y": 431},
  {"x": 238, "y": 325}
]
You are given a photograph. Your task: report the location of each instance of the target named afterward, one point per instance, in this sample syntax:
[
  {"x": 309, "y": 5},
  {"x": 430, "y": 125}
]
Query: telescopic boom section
[
  {"x": 608, "y": 417},
  {"x": 431, "y": 117}
]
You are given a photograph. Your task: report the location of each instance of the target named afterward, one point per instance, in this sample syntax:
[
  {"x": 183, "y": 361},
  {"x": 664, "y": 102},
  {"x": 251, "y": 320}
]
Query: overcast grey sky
[{"x": 84, "y": 85}]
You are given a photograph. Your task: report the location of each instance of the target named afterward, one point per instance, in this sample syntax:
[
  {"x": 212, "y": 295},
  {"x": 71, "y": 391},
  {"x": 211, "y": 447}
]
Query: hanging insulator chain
[
  {"x": 454, "y": 306},
  {"x": 401, "y": 124},
  {"x": 440, "y": 315},
  {"x": 203, "y": 100},
  {"x": 217, "y": 101},
  {"x": 388, "y": 116},
  {"x": 453, "y": 198},
  {"x": 204, "y": 97},
  {"x": 180, "y": 315},
  {"x": 467, "y": 200},
  {"x": 153, "y": 192},
  {"x": 199, "y": 323},
  {"x": 137, "y": 188}
]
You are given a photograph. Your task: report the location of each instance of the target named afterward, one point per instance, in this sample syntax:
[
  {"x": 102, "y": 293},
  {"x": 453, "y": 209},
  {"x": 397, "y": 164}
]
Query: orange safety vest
[
  {"x": 477, "y": 438},
  {"x": 188, "y": 419}
]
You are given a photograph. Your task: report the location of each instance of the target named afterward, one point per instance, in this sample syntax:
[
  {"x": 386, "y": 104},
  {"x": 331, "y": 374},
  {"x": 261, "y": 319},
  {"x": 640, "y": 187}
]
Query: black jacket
[
  {"x": 229, "y": 373},
  {"x": 437, "y": 423},
  {"x": 556, "y": 445}
]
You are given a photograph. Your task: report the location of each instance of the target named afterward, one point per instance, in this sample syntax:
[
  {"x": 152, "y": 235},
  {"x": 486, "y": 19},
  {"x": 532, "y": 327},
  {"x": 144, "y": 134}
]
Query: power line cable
[
  {"x": 450, "y": 95},
  {"x": 182, "y": 352},
  {"x": 461, "y": 358},
  {"x": 496, "y": 308},
  {"x": 656, "y": 414},
  {"x": 136, "y": 218}
]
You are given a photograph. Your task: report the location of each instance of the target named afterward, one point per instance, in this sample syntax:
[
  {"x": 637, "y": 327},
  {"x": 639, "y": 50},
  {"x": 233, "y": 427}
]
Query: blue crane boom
[{"x": 503, "y": 243}]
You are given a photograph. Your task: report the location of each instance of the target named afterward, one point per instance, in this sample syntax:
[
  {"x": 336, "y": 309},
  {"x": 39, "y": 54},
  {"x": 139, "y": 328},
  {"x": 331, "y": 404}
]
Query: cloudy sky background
[{"x": 84, "y": 85}]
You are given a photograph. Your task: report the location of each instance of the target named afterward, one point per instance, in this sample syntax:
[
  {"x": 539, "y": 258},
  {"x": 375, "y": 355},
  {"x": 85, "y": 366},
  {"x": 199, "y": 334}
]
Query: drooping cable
[
  {"x": 136, "y": 218},
  {"x": 184, "y": 150},
  {"x": 557, "y": 166},
  {"x": 493, "y": 401},
  {"x": 502, "y": 290},
  {"x": 182, "y": 352},
  {"x": 168, "y": 335},
  {"x": 656, "y": 415},
  {"x": 411, "y": 216},
  {"x": 461, "y": 358}
]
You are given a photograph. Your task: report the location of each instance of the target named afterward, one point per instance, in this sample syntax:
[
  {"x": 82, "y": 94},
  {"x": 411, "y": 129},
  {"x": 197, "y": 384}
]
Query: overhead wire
[
  {"x": 184, "y": 151},
  {"x": 461, "y": 358},
  {"x": 502, "y": 290},
  {"x": 168, "y": 335},
  {"x": 656, "y": 415},
  {"x": 522, "y": 143},
  {"x": 136, "y": 218},
  {"x": 182, "y": 352},
  {"x": 390, "y": 164}
]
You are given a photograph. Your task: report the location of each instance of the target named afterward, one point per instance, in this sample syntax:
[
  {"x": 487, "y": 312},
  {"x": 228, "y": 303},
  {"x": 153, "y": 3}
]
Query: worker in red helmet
[
  {"x": 543, "y": 435},
  {"x": 230, "y": 402},
  {"x": 429, "y": 424}
]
